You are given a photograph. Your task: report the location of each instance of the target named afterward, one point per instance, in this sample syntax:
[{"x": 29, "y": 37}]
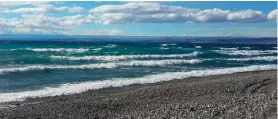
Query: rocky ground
[{"x": 240, "y": 95}]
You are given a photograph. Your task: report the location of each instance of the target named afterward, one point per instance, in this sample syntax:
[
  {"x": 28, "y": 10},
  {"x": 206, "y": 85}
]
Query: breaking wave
[
  {"x": 246, "y": 47},
  {"x": 198, "y": 47},
  {"x": 164, "y": 45},
  {"x": 228, "y": 48},
  {"x": 245, "y": 52},
  {"x": 110, "y": 46},
  {"x": 100, "y": 65},
  {"x": 58, "y": 49},
  {"x": 71, "y": 88},
  {"x": 97, "y": 49},
  {"x": 266, "y": 58},
  {"x": 123, "y": 57}
]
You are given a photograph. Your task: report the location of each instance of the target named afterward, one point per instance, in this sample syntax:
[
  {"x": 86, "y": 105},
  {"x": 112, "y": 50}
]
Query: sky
[{"x": 239, "y": 19}]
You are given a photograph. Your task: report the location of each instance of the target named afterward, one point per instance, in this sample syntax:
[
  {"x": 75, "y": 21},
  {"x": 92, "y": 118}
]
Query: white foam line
[
  {"x": 97, "y": 49},
  {"x": 164, "y": 45},
  {"x": 123, "y": 57},
  {"x": 100, "y": 65},
  {"x": 58, "y": 49},
  {"x": 245, "y": 52},
  {"x": 222, "y": 48},
  {"x": 198, "y": 47},
  {"x": 110, "y": 46},
  {"x": 246, "y": 47},
  {"x": 266, "y": 58},
  {"x": 71, "y": 88}
]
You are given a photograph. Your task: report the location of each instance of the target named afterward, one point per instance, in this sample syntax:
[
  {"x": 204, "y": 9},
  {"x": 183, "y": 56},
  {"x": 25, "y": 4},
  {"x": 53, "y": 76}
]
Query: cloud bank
[
  {"x": 52, "y": 18},
  {"x": 158, "y": 13}
]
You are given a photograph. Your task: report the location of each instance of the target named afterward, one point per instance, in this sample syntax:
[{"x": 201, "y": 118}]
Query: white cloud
[
  {"x": 8, "y": 4},
  {"x": 43, "y": 24},
  {"x": 141, "y": 8},
  {"x": 9, "y": 23},
  {"x": 247, "y": 16},
  {"x": 44, "y": 8},
  {"x": 140, "y": 12},
  {"x": 76, "y": 9},
  {"x": 212, "y": 15},
  {"x": 76, "y": 20},
  {"x": 272, "y": 16}
]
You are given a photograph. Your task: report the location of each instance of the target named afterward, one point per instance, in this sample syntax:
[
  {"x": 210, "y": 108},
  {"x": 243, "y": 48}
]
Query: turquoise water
[{"x": 52, "y": 66}]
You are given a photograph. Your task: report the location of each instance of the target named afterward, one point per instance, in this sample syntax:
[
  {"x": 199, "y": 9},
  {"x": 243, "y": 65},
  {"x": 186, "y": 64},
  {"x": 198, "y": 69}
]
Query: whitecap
[
  {"x": 265, "y": 58},
  {"x": 222, "y": 48},
  {"x": 58, "y": 49},
  {"x": 164, "y": 45},
  {"x": 124, "y": 57},
  {"x": 111, "y": 46},
  {"x": 100, "y": 65},
  {"x": 246, "y": 47},
  {"x": 245, "y": 52},
  {"x": 198, "y": 47},
  {"x": 97, "y": 49}
]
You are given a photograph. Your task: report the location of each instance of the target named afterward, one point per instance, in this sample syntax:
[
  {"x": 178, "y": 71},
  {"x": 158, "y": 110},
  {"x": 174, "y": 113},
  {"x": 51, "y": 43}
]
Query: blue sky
[{"x": 251, "y": 19}]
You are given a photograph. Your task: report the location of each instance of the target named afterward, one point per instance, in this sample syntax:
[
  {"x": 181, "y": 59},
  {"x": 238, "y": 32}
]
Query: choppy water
[{"x": 37, "y": 69}]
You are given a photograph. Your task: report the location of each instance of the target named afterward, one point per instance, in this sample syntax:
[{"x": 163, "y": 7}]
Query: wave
[
  {"x": 100, "y": 65},
  {"x": 57, "y": 49},
  {"x": 164, "y": 45},
  {"x": 266, "y": 58},
  {"x": 246, "y": 47},
  {"x": 71, "y": 88},
  {"x": 110, "y": 46},
  {"x": 97, "y": 49},
  {"x": 124, "y": 57},
  {"x": 159, "y": 62},
  {"x": 198, "y": 47},
  {"x": 163, "y": 48},
  {"x": 228, "y": 48},
  {"x": 245, "y": 52}
]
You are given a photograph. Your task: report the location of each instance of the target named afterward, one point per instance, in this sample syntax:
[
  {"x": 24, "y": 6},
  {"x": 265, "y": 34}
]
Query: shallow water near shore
[{"x": 38, "y": 69}]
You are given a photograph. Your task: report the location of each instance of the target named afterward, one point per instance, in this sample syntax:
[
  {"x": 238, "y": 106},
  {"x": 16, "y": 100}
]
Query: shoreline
[{"x": 156, "y": 95}]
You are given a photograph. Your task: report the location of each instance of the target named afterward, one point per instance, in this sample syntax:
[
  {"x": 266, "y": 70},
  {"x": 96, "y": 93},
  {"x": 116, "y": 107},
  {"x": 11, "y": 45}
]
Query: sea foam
[
  {"x": 123, "y": 57},
  {"x": 71, "y": 88},
  {"x": 110, "y": 46},
  {"x": 198, "y": 47},
  {"x": 265, "y": 58},
  {"x": 222, "y": 48},
  {"x": 245, "y": 52},
  {"x": 100, "y": 65},
  {"x": 58, "y": 49}
]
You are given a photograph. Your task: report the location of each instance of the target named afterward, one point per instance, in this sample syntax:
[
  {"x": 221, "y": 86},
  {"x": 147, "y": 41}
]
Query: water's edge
[{"x": 111, "y": 90}]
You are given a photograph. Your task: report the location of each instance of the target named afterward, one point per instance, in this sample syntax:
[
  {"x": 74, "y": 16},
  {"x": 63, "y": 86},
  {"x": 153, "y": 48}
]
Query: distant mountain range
[{"x": 155, "y": 39}]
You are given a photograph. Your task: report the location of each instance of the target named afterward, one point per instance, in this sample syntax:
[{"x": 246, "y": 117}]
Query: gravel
[{"x": 239, "y": 95}]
